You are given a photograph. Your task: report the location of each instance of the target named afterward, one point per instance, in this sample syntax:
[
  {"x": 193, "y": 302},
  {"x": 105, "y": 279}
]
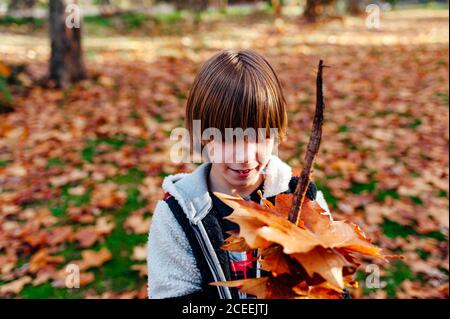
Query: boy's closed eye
[{"x": 239, "y": 152}]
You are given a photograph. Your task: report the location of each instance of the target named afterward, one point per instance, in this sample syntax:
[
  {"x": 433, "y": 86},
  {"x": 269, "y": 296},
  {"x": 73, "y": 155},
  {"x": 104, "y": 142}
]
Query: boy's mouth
[{"x": 243, "y": 172}]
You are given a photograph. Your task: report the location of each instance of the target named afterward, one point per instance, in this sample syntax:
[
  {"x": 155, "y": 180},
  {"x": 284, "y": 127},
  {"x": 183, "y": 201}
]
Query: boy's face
[{"x": 240, "y": 163}]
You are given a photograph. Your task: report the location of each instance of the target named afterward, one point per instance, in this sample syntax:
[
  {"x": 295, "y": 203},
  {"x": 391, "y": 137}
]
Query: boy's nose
[{"x": 246, "y": 152}]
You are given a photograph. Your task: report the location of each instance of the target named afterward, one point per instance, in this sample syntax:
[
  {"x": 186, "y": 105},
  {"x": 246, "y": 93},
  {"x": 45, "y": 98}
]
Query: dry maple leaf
[
  {"x": 15, "y": 286},
  {"x": 59, "y": 235},
  {"x": 261, "y": 226},
  {"x": 139, "y": 252},
  {"x": 87, "y": 236},
  {"x": 104, "y": 225},
  {"x": 272, "y": 259},
  {"x": 42, "y": 258},
  {"x": 262, "y": 288},
  {"x": 86, "y": 278},
  {"x": 319, "y": 251},
  {"x": 235, "y": 243},
  {"x": 93, "y": 258},
  {"x": 324, "y": 262},
  {"x": 137, "y": 224},
  {"x": 319, "y": 291}
]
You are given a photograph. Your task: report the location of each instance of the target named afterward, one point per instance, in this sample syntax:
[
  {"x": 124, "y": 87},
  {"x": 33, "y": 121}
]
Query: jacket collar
[{"x": 191, "y": 189}]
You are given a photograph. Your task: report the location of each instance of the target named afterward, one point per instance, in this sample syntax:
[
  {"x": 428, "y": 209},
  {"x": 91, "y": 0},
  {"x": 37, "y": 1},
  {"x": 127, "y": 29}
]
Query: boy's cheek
[
  {"x": 228, "y": 153},
  {"x": 264, "y": 151}
]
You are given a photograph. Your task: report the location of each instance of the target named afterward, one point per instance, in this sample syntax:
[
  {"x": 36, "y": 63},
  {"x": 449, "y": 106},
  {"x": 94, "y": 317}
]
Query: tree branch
[{"x": 313, "y": 149}]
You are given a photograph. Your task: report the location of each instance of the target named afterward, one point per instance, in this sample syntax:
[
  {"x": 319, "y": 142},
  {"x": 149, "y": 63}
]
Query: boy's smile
[
  {"x": 238, "y": 177},
  {"x": 244, "y": 173}
]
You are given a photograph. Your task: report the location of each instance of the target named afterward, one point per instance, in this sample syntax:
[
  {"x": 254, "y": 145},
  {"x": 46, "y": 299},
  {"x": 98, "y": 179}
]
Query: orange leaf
[
  {"x": 320, "y": 291},
  {"x": 234, "y": 243},
  {"x": 93, "y": 258},
  {"x": 262, "y": 288},
  {"x": 42, "y": 258},
  {"x": 273, "y": 259},
  {"x": 312, "y": 216},
  {"x": 15, "y": 286},
  {"x": 87, "y": 236},
  {"x": 324, "y": 262},
  {"x": 283, "y": 203},
  {"x": 260, "y": 227}
]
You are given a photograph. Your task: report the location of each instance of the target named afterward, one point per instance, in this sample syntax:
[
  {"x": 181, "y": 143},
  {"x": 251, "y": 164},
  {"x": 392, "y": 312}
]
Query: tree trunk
[
  {"x": 354, "y": 7},
  {"x": 316, "y": 9},
  {"x": 223, "y": 5},
  {"x": 194, "y": 5},
  {"x": 66, "y": 60},
  {"x": 311, "y": 10},
  {"x": 276, "y": 5},
  {"x": 199, "y": 5}
]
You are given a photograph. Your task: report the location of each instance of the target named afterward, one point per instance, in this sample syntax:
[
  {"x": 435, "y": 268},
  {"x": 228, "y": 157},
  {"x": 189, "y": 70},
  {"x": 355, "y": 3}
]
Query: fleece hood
[{"x": 191, "y": 189}]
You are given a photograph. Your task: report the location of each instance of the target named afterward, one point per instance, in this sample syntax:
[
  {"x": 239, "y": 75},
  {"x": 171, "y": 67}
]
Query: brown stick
[{"x": 313, "y": 149}]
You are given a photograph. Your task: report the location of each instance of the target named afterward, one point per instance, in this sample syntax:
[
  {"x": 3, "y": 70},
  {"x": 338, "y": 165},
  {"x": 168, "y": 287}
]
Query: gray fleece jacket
[{"x": 172, "y": 270}]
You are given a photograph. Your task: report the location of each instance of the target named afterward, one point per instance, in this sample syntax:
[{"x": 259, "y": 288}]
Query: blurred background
[{"x": 86, "y": 113}]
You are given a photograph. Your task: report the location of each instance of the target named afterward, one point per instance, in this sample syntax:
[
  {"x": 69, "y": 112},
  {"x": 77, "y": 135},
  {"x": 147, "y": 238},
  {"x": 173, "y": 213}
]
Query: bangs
[
  {"x": 237, "y": 89},
  {"x": 247, "y": 103}
]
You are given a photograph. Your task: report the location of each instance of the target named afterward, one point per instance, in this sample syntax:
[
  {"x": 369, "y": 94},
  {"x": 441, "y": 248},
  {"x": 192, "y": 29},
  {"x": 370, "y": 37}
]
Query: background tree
[
  {"x": 277, "y": 6},
  {"x": 66, "y": 60},
  {"x": 316, "y": 8},
  {"x": 20, "y": 4},
  {"x": 223, "y": 5},
  {"x": 354, "y": 7}
]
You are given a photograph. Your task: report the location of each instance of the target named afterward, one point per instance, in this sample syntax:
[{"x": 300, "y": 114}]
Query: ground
[{"x": 81, "y": 168}]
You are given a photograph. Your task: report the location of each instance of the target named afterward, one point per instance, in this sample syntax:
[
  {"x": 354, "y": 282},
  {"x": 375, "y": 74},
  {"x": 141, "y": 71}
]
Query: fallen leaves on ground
[{"x": 85, "y": 165}]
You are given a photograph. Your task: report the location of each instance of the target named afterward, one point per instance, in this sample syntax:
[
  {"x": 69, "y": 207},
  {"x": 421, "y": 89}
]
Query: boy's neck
[{"x": 216, "y": 183}]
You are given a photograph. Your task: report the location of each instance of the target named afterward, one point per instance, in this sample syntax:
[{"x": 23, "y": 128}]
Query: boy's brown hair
[{"x": 237, "y": 89}]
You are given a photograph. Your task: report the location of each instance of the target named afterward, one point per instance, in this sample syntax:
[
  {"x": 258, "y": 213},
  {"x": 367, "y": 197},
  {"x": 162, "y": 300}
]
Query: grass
[
  {"x": 393, "y": 229},
  {"x": 416, "y": 200},
  {"x": 120, "y": 244},
  {"x": 133, "y": 176},
  {"x": 443, "y": 96},
  {"x": 359, "y": 188},
  {"x": 423, "y": 254},
  {"x": 433, "y": 5},
  {"x": 10, "y": 20},
  {"x": 47, "y": 291},
  {"x": 55, "y": 162},
  {"x": 59, "y": 208},
  {"x": 98, "y": 21},
  {"x": 3, "y": 163},
  {"x": 397, "y": 272},
  {"x": 132, "y": 20},
  {"x": 170, "y": 17},
  {"x": 383, "y": 194},
  {"x": 343, "y": 129},
  {"x": 116, "y": 274},
  {"x": 415, "y": 123},
  {"x": 116, "y": 142}
]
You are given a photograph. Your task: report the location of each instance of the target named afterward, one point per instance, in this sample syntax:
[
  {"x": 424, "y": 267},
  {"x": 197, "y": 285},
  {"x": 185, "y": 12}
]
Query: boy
[{"x": 233, "y": 89}]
